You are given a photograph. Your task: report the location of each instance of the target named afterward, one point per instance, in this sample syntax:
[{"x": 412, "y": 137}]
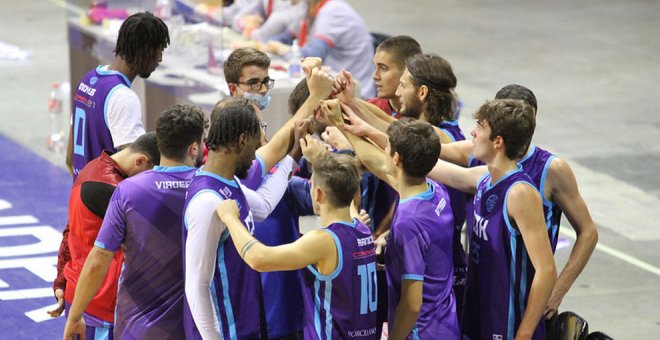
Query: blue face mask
[{"x": 262, "y": 100}]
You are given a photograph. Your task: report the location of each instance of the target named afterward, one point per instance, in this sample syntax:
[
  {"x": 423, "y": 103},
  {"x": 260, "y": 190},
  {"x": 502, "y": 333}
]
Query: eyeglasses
[{"x": 255, "y": 85}]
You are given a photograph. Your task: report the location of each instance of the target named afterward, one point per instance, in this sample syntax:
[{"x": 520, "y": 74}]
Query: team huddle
[{"x": 191, "y": 231}]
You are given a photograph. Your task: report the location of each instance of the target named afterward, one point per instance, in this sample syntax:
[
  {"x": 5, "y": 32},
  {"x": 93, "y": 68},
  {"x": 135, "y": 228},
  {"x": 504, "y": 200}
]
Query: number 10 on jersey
[{"x": 369, "y": 289}]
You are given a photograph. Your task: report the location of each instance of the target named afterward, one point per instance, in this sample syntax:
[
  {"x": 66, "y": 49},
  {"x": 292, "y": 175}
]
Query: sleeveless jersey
[
  {"x": 343, "y": 305},
  {"x": 500, "y": 272},
  {"x": 235, "y": 287},
  {"x": 91, "y": 134},
  {"x": 536, "y": 164}
]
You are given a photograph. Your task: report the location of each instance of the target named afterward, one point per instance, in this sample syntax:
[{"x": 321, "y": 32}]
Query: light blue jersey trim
[
  {"x": 180, "y": 168},
  {"x": 105, "y": 104},
  {"x": 101, "y": 333},
  {"x": 222, "y": 268},
  {"x": 103, "y": 70},
  {"x": 531, "y": 151},
  {"x": 424, "y": 196},
  {"x": 512, "y": 266},
  {"x": 185, "y": 220},
  {"x": 449, "y": 134},
  {"x": 214, "y": 299},
  {"x": 264, "y": 171},
  {"x": 340, "y": 261},
  {"x": 317, "y": 308},
  {"x": 415, "y": 332},
  {"x": 412, "y": 277},
  {"x": 507, "y": 175},
  {"x": 523, "y": 280},
  {"x": 470, "y": 159},
  {"x": 201, "y": 172},
  {"x": 99, "y": 244},
  {"x": 326, "y": 306},
  {"x": 352, "y": 224}
]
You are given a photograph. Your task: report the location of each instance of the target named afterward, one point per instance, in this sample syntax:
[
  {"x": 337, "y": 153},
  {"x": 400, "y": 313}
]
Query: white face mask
[{"x": 262, "y": 100}]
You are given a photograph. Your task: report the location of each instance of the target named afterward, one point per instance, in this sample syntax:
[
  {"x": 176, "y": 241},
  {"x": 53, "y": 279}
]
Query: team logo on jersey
[
  {"x": 491, "y": 202},
  {"x": 441, "y": 206},
  {"x": 93, "y": 80},
  {"x": 226, "y": 192}
]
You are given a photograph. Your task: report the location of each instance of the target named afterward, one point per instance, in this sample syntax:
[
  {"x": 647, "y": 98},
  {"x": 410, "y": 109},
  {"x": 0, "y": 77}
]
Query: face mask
[{"x": 262, "y": 100}]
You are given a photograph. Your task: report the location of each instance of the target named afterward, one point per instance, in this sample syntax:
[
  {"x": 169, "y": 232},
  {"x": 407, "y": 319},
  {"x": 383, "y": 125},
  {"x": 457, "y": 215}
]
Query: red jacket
[{"x": 89, "y": 199}]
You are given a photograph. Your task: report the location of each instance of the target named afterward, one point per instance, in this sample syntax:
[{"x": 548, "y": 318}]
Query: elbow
[
  {"x": 257, "y": 261},
  {"x": 413, "y": 307}
]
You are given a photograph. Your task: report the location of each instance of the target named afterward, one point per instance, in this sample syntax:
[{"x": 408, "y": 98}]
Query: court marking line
[{"x": 616, "y": 253}]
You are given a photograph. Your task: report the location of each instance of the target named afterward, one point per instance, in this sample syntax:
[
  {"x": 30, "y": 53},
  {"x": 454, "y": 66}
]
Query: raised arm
[
  {"x": 320, "y": 85},
  {"x": 457, "y": 152},
  {"x": 264, "y": 200},
  {"x": 564, "y": 191},
  {"x": 313, "y": 247},
  {"x": 524, "y": 206},
  {"x": 459, "y": 178}
]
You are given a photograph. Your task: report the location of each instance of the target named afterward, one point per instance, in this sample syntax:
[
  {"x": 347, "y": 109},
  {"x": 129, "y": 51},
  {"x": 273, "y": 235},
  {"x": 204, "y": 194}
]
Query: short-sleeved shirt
[
  {"x": 419, "y": 248},
  {"x": 342, "y": 304},
  {"x": 106, "y": 114},
  {"x": 144, "y": 219},
  {"x": 384, "y": 104},
  {"x": 349, "y": 40}
]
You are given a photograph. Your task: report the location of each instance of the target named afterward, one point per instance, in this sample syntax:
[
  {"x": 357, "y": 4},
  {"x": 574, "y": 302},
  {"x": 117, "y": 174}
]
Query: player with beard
[
  {"x": 425, "y": 92},
  {"x": 144, "y": 218},
  {"x": 217, "y": 304}
]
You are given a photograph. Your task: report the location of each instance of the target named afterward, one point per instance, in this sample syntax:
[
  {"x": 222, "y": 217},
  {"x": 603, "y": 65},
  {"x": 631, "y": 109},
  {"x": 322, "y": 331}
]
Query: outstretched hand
[
  {"x": 313, "y": 148},
  {"x": 330, "y": 113},
  {"x": 319, "y": 83},
  {"x": 344, "y": 88},
  {"x": 357, "y": 126}
]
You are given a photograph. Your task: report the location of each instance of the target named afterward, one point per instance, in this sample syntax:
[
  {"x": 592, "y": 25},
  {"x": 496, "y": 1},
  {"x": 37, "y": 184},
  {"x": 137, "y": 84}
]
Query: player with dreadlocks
[{"x": 107, "y": 113}]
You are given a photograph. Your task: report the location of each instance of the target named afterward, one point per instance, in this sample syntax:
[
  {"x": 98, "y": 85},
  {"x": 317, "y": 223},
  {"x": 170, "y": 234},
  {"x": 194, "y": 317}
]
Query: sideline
[{"x": 615, "y": 253}]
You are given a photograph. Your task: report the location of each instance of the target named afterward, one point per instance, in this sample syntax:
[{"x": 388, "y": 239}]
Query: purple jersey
[
  {"x": 255, "y": 174},
  {"x": 91, "y": 134},
  {"x": 500, "y": 272},
  {"x": 144, "y": 217},
  {"x": 236, "y": 296},
  {"x": 332, "y": 310},
  {"x": 282, "y": 290},
  {"x": 420, "y": 248},
  {"x": 458, "y": 200},
  {"x": 536, "y": 164}
]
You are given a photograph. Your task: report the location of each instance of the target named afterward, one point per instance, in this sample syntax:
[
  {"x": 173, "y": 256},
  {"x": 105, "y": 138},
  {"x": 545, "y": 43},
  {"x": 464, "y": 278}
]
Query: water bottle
[
  {"x": 294, "y": 60},
  {"x": 56, "y": 135},
  {"x": 163, "y": 9}
]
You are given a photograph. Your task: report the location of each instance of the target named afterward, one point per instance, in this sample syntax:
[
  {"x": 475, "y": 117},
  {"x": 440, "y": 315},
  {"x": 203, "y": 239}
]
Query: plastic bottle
[
  {"x": 56, "y": 135},
  {"x": 294, "y": 60},
  {"x": 163, "y": 9}
]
